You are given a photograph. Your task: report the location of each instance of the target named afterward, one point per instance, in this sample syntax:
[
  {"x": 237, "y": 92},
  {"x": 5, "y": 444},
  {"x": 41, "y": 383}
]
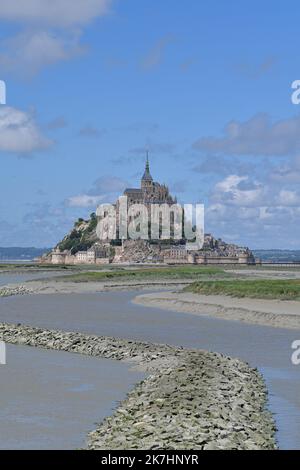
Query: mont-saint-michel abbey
[
  {"x": 150, "y": 192},
  {"x": 82, "y": 245}
]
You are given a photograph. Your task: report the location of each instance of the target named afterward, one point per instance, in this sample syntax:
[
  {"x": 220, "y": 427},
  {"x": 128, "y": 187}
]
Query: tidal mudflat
[
  {"x": 260, "y": 311},
  {"x": 51, "y": 399},
  {"x": 191, "y": 400},
  {"x": 114, "y": 314},
  {"x": 16, "y": 277}
]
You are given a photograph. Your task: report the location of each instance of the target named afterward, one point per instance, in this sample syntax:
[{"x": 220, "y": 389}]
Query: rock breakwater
[
  {"x": 191, "y": 399},
  {"x": 8, "y": 291}
]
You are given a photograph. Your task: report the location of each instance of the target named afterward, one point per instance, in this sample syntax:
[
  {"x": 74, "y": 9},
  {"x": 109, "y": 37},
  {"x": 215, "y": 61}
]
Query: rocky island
[{"x": 82, "y": 245}]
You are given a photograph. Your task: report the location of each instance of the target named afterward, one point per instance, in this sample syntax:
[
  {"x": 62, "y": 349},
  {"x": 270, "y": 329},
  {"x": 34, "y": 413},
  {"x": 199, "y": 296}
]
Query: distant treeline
[
  {"x": 278, "y": 256},
  {"x": 19, "y": 253}
]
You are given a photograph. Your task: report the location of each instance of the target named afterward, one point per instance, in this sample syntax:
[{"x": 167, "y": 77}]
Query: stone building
[
  {"x": 94, "y": 255},
  {"x": 154, "y": 250},
  {"x": 85, "y": 257},
  {"x": 58, "y": 257},
  {"x": 213, "y": 259},
  {"x": 176, "y": 255},
  {"x": 150, "y": 191}
]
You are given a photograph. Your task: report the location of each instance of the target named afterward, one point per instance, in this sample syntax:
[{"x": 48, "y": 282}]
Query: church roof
[
  {"x": 147, "y": 175},
  {"x": 132, "y": 190}
]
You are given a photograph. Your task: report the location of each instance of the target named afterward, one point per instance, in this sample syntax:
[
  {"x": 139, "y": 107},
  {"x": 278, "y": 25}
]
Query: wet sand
[
  {"x": 275, "y": 313},
  {"x": 71, "y": 287}
]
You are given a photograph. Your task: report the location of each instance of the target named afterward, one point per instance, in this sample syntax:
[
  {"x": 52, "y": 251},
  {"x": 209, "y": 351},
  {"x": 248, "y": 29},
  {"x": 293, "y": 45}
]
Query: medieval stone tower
[
  {"x": 150, "y": 192},
  {"x": 147, "y": 180}
]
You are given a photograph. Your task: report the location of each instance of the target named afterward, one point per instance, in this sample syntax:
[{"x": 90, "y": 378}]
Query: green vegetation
[
  {"x": 270, "y": 267},
  {"x": 180, "y": 272},
  {"x": 33, "y": 267},
  {"x": 82, "y": 237},
  {"x": 79, "y": 222},
  {"x": 260, "y": 289},
  {"x": 92, "y": 224},
  {"x": 75, "y": 245}
]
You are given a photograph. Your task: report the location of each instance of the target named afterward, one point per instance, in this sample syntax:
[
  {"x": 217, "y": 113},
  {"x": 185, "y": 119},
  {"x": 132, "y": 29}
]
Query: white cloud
[
  {"x": 288, "y": 173},
  {"x": 288, "y": 198},
  {"x": 46, "y": 222},
  {"x": 51, "y": 31},
  {"x": 19, "y": 132},
  {"x": 108, "y": 184},
  {"x": 258, "y": 136},
  {"x": 230, "y": 183},
  {"x": 84, "y": 200},
  {"x": 244, "y": 194},
  {"x": 27, "y": 52},
  {"x": 238, "y": 190},
  {"x": 223, "y": 166},
  {"x": 54, "y": 13},
  {"x": 105, "y": 189},
  {"x": 264, "y": 213}
]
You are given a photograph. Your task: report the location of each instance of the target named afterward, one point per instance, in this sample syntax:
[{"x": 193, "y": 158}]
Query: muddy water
[
  {"x": 51, "y": 399},
  {"x": 19, "y": 278},
  {"x": 267, "y": 348}
]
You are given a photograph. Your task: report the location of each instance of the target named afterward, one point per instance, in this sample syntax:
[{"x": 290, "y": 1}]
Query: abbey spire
[
  {"x": 150, "y": 191},
  {"x": 147, "y": 175}
]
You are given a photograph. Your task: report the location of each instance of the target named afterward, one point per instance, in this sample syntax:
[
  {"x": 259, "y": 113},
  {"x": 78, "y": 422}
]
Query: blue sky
[{"x": 206, "y": 86}]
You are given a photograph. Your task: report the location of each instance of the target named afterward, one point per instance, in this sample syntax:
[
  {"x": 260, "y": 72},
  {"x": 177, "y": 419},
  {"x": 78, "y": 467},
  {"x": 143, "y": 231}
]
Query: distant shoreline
[{"x": 12, "y": 261}]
